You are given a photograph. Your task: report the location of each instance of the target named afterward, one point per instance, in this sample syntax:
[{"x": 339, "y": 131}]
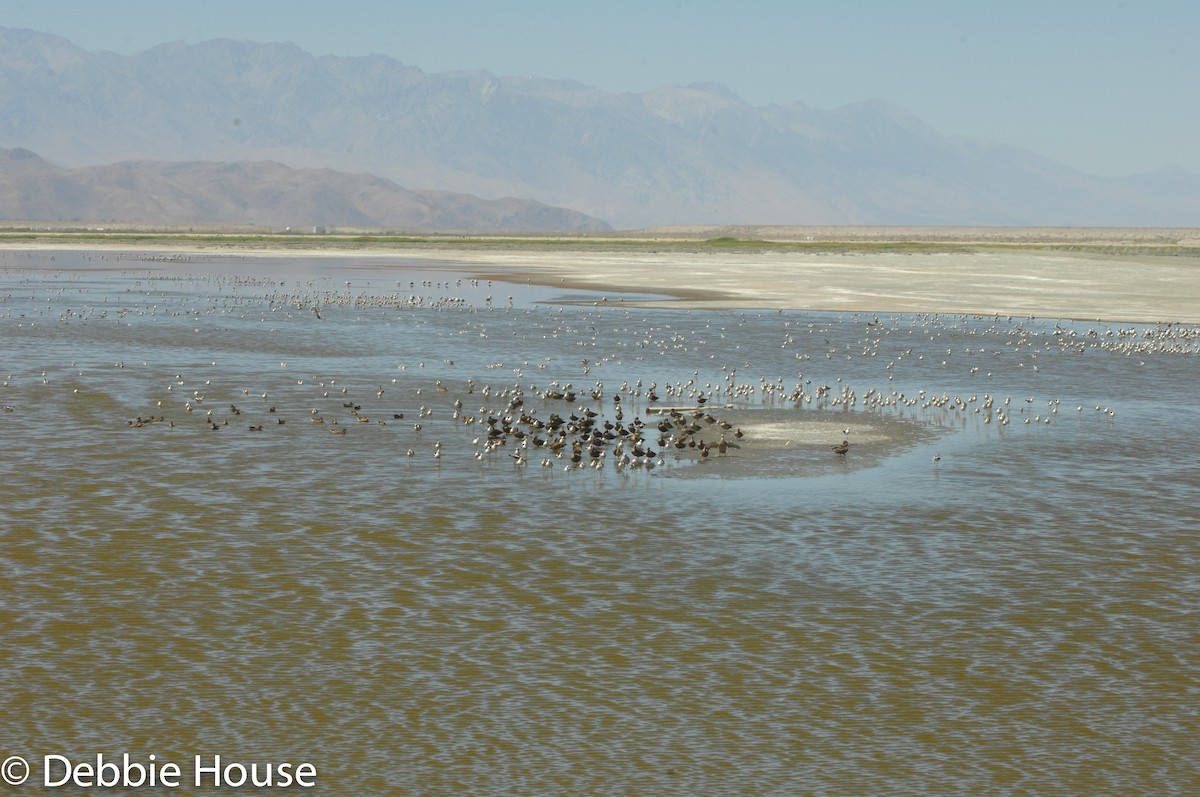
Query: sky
[{"x": 1110, "y": 87}]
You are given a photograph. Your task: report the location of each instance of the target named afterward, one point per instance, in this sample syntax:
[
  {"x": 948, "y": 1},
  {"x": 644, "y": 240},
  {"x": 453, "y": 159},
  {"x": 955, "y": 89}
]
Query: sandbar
[{"x": 1144, "y": 276}]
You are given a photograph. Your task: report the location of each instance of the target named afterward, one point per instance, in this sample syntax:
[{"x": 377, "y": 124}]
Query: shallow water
[{"x": 1018, "y": 616}]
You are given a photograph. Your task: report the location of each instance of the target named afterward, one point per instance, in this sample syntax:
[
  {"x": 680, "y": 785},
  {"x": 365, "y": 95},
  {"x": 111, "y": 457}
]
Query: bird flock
[{"x": 557, "y": 409}]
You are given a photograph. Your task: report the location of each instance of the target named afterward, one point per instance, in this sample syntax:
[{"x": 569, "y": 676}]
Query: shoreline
[
  {"x": 677, "y": 233},
  {"x": 1114, "y": 275}
]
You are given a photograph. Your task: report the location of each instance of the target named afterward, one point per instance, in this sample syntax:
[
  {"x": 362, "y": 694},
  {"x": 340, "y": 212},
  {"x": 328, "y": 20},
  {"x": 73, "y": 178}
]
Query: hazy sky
[{"x": 1108, "y": 86}]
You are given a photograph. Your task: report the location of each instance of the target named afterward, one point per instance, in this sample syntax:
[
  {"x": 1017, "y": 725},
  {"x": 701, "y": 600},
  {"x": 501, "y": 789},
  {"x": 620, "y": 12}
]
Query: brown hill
[{"x": 260, "y": 193}]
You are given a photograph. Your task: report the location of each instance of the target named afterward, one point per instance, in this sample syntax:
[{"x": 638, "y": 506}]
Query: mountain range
[{"x": 266, "y": 131}]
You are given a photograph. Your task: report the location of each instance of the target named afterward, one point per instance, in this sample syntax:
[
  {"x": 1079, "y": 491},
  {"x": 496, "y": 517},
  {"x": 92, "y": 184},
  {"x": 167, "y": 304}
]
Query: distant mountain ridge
[{"x": 675, "y": 155}]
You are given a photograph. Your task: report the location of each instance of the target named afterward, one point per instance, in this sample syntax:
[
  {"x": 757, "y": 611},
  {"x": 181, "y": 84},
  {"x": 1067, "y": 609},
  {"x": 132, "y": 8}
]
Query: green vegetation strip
[{"x": 383, "y": 243}]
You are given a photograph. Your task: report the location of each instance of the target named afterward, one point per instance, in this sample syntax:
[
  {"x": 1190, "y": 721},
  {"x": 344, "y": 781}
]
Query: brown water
[{"x": 1018, "y": 617}]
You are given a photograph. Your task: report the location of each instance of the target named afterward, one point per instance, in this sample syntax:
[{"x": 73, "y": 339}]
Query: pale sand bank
[
  {"x": 1022, "y": 282},
  {"x": 1056, "y": 284}
]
